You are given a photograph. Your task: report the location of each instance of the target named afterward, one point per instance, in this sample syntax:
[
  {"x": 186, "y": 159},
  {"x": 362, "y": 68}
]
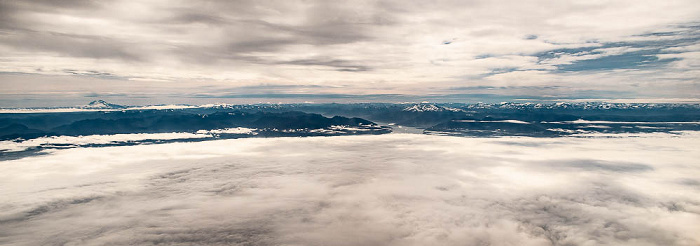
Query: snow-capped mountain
[
  {"x": 101, "y": 104},
  {"x": 580, "y": 105},
  {"x": 424, "y": 107}
]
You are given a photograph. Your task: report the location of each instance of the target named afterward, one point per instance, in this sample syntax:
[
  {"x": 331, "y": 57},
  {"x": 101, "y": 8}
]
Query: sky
[
  {"x": 60, "y": 53},
  {"x": 393, "y": 189}
]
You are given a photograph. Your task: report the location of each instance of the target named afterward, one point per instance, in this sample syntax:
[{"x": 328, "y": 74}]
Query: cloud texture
[
  {"x": 397, "y": 189},
  {"x": 209, "y": 49}
]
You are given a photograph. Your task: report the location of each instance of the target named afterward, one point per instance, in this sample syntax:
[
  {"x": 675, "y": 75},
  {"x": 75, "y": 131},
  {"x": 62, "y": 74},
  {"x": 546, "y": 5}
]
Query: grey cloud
[
  {"x": 51, "y": 5},
  {"x": 339, "y": 65},
  {"x": 189, "y": 18},
  {"x": 300, "y": 96},
  {"x": 691, "y": 182},
  {"x": 275, "y": 86},
  {"x": 531, "y": 37},
  {"x": 57, "y": 205},
  {"x": 262, "y": 45},
  {"x": 483, "y": 87},
  {"x": 324, "y": 24},
  {"x": 240, "y": 23},
  {"x": 596, "y": 165},
  {"x": 72, "y": 45},
  {"x": 13, "y": 13},
  {"x": 92, "y": 73},
  {"x": 101, "y": 95}
]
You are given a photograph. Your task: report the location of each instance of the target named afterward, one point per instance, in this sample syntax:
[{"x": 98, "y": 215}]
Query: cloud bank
[{"x": 397, "y": 189}]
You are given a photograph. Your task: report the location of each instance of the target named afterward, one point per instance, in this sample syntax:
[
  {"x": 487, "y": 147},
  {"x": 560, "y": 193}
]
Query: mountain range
[{"x": 502, "y": 119}]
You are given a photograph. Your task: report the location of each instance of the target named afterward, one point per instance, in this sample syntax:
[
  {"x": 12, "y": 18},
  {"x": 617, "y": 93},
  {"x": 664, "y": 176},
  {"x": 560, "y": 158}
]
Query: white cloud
[
  {"x": 114, "y": 139},
  {"x": 397, "y": 189}
]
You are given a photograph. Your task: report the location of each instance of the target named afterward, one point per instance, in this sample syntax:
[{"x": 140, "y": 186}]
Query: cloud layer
[
  {"x": 397, "y": 189},
  {"x": 175, "y": 49}
]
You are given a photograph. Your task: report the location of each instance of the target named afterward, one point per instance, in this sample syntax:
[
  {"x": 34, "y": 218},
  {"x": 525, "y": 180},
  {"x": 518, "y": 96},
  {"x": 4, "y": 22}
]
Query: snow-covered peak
[
  {"x": 424, "y": 107},
  {"x": 100, "y": 104}
]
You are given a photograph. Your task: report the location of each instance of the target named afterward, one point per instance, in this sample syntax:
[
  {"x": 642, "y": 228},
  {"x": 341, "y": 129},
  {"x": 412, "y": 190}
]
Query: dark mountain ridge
[{"x": 156, "y": 121}]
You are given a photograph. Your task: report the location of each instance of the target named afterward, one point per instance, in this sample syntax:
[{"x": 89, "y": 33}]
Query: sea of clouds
[{"x": 396, "y": 189}]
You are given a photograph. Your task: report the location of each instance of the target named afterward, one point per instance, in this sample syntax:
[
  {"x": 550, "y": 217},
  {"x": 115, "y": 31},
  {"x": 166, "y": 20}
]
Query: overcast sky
[{"x": 181, "y": 51}]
